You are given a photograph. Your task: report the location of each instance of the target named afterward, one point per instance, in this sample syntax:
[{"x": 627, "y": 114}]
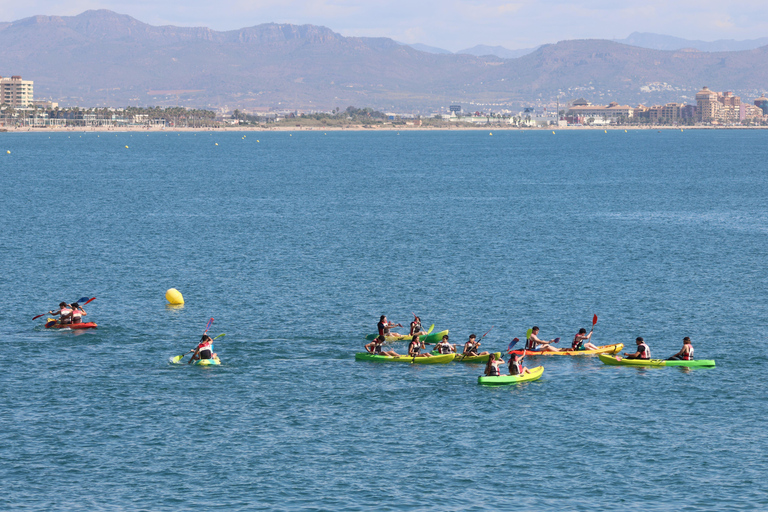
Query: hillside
[{"x": 104, "y": 58}]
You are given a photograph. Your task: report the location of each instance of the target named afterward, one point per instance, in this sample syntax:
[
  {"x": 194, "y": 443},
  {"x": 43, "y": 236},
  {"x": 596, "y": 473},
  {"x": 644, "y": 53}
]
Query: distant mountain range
[{"x": 101, "y": 58}]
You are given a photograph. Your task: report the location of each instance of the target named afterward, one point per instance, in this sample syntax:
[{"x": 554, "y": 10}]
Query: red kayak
[{"x": 85, "y": 325}]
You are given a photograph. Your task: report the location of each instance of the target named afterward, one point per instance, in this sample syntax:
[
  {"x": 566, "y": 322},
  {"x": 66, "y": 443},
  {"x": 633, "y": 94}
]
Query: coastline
[{"x": 369, "y": 128}]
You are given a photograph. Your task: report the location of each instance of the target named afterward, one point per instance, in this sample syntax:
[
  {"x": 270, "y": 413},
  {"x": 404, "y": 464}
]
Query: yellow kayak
[
  {"x": 603, "y": 349},
  {"x": 440, "y": 359}
]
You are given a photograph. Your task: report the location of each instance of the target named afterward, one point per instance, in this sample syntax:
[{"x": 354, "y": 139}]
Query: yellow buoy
[
  {"x": 9, "y": 151},
  {"x": 126, "y": 147},
  {"x": 490, "y": 133},
  {"x": 216, "y": 143},
  {"x": 173, "y": 296},
  {"x": 257, "y": 140},
  {"x": 553, "y": 132},
  {"x": 606, "y": 131},
  {"x": 625, "y": 131}
]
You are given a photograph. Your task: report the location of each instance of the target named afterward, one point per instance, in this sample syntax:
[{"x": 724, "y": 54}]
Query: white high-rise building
[{"x": 15, "y": 92}]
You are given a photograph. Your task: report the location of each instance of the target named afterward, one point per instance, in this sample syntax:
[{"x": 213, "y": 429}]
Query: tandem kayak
[
  {"x": 694, "y": 363},
  {"x": 433, "y": 337},
  {"x": 199, "y": 362},
  {"x": 461, "y": 358},
  {"x": 602, "y": 349},
  {"x": 53, "y": 324},
  {"x": 441, "y": 359},
  {"x": 505, "y": 380}
]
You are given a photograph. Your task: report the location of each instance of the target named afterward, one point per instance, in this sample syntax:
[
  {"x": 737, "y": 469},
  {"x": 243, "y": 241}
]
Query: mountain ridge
[{"x": 101, "y": 58}]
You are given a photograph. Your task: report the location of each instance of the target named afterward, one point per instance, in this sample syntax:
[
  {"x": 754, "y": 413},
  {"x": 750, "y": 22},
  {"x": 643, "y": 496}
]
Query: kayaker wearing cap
[
  {"x": 416, "y": 327},
  {"x": 686, "y": 353},
  {"x": 385, "y": 325},
  {"x": 471, "y": 346},
  {"x": 516, "y": 365},
  {"x": 415, "y": 346},
  {"x": 204, "y": 349},
  {"x": 443, "y": 347},
  {"x": 77, "y": 313},
  {"x": 580, "y": 339},
  {"x": 64, "y": 312},
  {"x": 374, "y": 348},
  {"x": 643, "y": 351},
  {"x": 534, "y": 343},
  {"x": 492, "y": 366}
]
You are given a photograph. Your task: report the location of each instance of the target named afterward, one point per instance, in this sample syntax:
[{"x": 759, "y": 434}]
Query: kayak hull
[
  {"x": 84, "y": 325},
  {"x": 474, "y": 359},
  {"x": 602, "y": 349},
  {"x": 695, "y": 363},
  {"x": 208, "y": 362},
  {"x": 506, "y": 380},
  {"x": 439, "y": 359},
  {"x": 433, "y": 337}
]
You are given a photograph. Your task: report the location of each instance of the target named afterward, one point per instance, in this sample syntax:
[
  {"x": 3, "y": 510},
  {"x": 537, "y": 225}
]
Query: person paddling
[
  {"x": 492, "y": 366},
  {"x": 643, "y": 351},
  {"x": 443, "y": 347},
  {"x": 375, "y": 348},
  {"x": 415, "y": 346},
  {"x": 64, "y": 312},
  {"x": 516, "y": 365},
  {"x": 385, "y": 325},
  {"x": 686, "y": 353},
  {"x": 581, "y": 341},
  {"x": 77, "y": 313},
  {"x": 471, "y": 347},
  {"x": 538, "y": 345},
  {"x": 416, "y": 327},
  {"x": 204, "y": 349}
]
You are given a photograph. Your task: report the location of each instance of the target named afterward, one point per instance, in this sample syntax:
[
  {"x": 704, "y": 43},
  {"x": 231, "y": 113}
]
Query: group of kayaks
[{"x": 603, "y": 352}]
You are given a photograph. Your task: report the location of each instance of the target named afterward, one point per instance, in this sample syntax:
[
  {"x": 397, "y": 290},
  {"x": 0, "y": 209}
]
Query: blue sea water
[{"x": 296, "y": 242}]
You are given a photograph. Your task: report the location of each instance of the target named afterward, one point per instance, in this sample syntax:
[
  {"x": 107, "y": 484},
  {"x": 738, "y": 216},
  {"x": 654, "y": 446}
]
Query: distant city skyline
[{"x": 452, "y": 25}]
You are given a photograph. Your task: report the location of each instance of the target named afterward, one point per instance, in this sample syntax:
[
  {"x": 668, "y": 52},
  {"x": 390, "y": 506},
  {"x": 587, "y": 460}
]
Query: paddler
[
  {"x": 204, "y": 349},
  {"x": 581, "y": 341},
  {"x": 374, "y": 348},
  {"x": 643, "y": 351},
  {"x": 443, "y": 347},
  {"x": 538, "y": 345},
  {"x": 516, "y": 365},
  {"x": 492, "y": 366},
  {"x": 471, "y": 346},
  {"x": 415, "y": 346},
  {"x": 385, "y": 325},
  {"x": 416, "y": 327},
  {"x": 77, "y": 313},
  {"x": 686, "y": 353},
  {"x": 64, "y": 312}
]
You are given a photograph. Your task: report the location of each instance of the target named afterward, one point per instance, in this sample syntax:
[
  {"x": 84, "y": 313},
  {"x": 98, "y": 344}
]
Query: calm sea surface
[{"x": 296, "y": 243}]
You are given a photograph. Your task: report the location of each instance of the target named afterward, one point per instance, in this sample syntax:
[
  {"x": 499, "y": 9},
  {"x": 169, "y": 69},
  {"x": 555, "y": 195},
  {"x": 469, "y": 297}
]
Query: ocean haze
[{"x": 101, "y": 58}]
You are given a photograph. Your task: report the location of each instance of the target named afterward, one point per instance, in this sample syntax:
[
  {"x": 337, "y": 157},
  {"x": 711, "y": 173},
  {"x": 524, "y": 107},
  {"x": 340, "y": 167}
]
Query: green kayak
[
  {"x": 441, "y": 359},
  {"x": 461, "y": 358},
  {"x": 505, "y": 380},
  {"x": 694, "y": 363}
]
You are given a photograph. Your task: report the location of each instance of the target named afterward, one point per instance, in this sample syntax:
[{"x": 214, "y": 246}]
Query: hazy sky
[{"x": 449, "y": 24}]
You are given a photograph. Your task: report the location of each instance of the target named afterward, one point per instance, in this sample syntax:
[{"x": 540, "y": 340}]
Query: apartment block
[{"x": 15, "y": 92}]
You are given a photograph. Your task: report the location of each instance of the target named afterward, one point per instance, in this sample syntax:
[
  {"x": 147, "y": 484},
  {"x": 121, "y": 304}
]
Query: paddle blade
[
  {"x": 176, "y": 359},
  {"x": 219, "y": 336},
  {"x": 556, "y": 340},
  {"x": 38, "y": 316},
  {"x": 594, "y": 320},
  {"x": 208, "y": 325},
  {"x": 81, "y": 299},
  {"x": 50, "y": 323},
  {"x": 90, "y": 300},
  {"x": 430, "y": 328},
  {"x": 528, "y": 333},
  {"x": 512, "y": 345}
]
